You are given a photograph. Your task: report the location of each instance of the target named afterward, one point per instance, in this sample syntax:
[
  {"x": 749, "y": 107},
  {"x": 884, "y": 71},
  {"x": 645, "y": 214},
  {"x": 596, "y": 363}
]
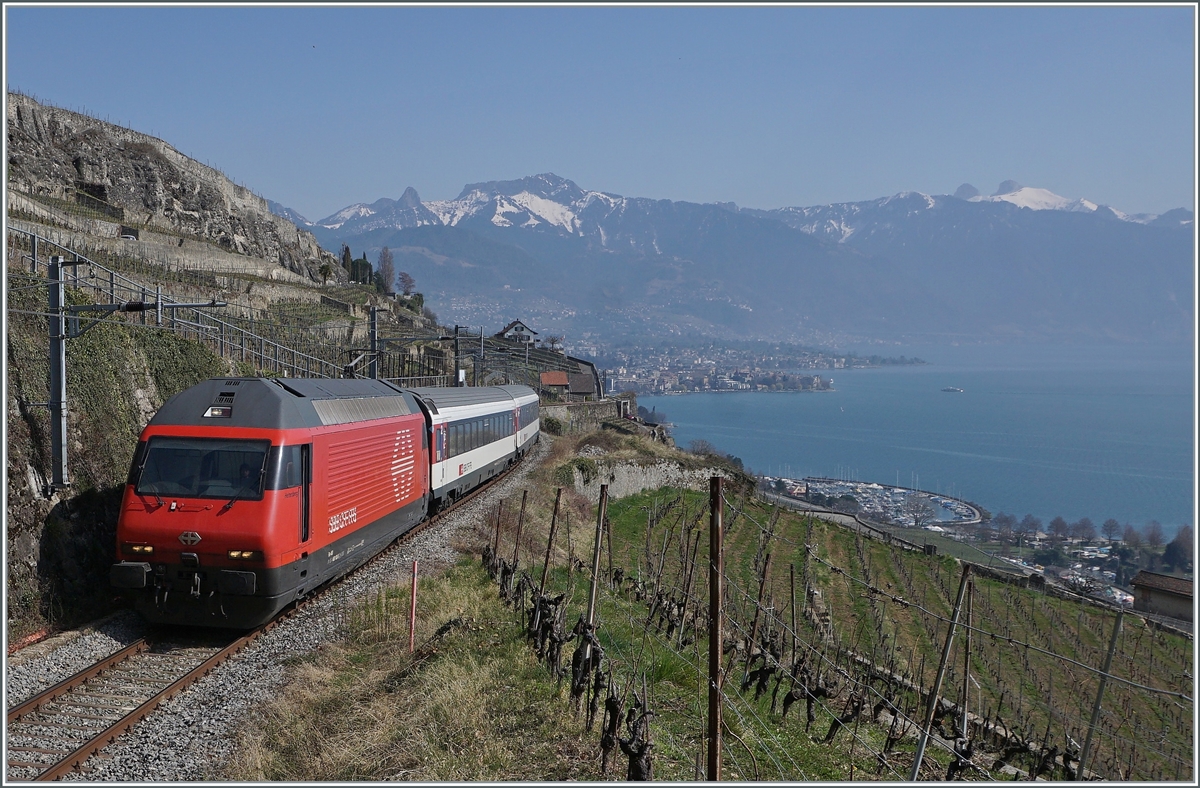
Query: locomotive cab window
[
  {"x": 285, "y": 469},
  {"x": 203, "y": 468}
]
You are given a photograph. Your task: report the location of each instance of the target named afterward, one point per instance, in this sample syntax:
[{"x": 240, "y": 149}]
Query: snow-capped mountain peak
[
  {"x": 356, "y": 211},
  {"x": 1037, "y": 200}
]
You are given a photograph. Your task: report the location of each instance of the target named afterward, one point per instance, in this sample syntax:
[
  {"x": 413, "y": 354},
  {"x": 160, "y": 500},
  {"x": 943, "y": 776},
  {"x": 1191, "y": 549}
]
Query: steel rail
[
  {"x": 65, "y": 686},
  {"x": 75, "y": 759}
]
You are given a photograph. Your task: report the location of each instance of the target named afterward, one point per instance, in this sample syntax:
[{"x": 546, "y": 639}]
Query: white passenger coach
[{"x": 475, "y": 433}]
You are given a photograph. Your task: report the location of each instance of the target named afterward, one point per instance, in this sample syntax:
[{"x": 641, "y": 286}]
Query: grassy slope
[{"x": 483, "y": 708}]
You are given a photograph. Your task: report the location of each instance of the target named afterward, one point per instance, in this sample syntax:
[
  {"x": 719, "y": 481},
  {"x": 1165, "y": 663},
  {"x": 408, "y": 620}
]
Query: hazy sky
[{"x": 321, "y": 107}]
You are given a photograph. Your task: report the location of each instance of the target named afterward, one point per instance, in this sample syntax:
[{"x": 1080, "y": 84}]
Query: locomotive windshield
[{"x": 203, "y": 468}]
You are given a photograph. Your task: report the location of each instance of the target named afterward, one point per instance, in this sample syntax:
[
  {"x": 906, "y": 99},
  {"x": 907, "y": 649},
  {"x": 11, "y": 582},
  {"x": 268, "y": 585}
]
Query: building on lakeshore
[{"x": 1165, "y": 595}]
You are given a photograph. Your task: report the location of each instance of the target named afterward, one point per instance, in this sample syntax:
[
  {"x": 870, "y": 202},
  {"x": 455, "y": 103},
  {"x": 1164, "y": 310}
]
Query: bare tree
[
  {"x": 1111, "y": 529},
  {"x": 386, "y": 267},
  {"x": 919, "y": 509},
  {"x": 1131, "y": 537},
  {"x": 406, "y": 282},
  {"x": 1083, "y": 529},
  {"x": 1060, "y": 529},
  {"x": 1004, "y": 523},
  {"x": 1028, "y": 527},
  {"x": 1154, "y": 534}
]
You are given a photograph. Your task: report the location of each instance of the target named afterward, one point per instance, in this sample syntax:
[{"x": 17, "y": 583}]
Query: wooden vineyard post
[
  {"x": 412, "y": 612},
  {"x": 537, "y": 608},
  {"x": 550, "y": 541},
  {"x": 792, "y": 577},
  {"x": 967, "y": 661},
  {"x": 716, "y": 569},
  {"x": 1112, "y": 647},
  {"x": 762, "y": 585},
  {"x": 520, "y": 522},
  {"x": 937, "y": 682},
  {"x": 496, "y": 539},
  {"x": 601, "y": 512}
]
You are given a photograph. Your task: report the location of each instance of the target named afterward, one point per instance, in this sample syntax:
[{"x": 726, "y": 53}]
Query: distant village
[
  {"x": 1105, "y": 569},
  {"x": 649, "y": 369}
]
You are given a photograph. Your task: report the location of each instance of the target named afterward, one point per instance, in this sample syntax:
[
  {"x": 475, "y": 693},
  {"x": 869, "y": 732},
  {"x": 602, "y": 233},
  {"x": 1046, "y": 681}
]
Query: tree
[
  {"x": 1154, "y": 534},
  {"x": 847, "y": 504},
  {"x": 1060, "y": 529},
  {"x": 1178, "y": 555},
  {"x": 553, "y": 341},
  {"x": 919, "y": 509},
  {"x": 386, "y": 268},
  {"x": 1131, "y": 537},
  {"x": 702, "y": 447},
  {"x": 347, "y": 258},
  {"x": 361, "y": 271},
  {"x": 1005, "y": 523},
  {"x": 326, "y": 271},
  {"x": 406, "y": 282},
  {"x": 1083, "y": 529},
  {"x": 1111, "y": 529},
  {"x": 1029, "y": 526}
]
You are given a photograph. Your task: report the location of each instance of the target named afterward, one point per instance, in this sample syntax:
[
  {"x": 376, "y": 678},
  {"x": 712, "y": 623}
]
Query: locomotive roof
[
  {"x": 284, "y": 403},
  {"x": 452, "y": 397}
]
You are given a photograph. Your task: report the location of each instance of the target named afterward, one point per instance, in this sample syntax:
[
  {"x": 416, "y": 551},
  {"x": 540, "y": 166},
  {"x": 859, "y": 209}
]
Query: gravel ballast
[{"x": 193, "y": 734}]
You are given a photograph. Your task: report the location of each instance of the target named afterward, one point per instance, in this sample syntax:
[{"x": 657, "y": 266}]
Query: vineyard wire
[
  {"x": 666, "y": 644},
  {"x": 834, "y": 667},
  {"x": 1011, "y": 641},
  {"x": 1162, "y": 693}
]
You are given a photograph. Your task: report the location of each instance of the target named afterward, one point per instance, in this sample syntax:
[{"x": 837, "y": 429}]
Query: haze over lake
[{"x": 1074, "y": 431}]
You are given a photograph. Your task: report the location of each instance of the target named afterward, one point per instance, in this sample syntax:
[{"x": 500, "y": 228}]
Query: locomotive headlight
[
  {"x": 137, "y": 549},
  {"x": 245, "y": 555}
]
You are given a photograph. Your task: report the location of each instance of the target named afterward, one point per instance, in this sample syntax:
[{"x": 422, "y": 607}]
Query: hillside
[
  {"x": 130, "y": 179},
  {"x": 483, "y": 701}
]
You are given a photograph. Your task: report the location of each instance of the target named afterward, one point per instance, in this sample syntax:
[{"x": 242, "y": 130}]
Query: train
[{"x": 246, "y": 494}]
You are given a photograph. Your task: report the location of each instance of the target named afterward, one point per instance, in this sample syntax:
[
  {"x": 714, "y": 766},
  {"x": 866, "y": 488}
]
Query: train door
[
  {"x": 440, "y": 456},
  {"x": 305, "y": 510}
]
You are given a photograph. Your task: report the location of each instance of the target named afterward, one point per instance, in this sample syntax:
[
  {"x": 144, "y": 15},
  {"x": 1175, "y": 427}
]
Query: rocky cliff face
[{"x": 143, "y": 181}]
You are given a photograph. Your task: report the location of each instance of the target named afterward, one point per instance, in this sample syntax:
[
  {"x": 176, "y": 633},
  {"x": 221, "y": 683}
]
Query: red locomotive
[{"x": 247, "y": 493}]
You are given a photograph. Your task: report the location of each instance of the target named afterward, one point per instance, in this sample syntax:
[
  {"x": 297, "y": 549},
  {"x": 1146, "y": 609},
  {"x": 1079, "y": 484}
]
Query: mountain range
[{"x": 1022, "y": 264}]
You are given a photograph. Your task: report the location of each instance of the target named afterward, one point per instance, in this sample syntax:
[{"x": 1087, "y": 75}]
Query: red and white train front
[{"x": 247, "y": 493}]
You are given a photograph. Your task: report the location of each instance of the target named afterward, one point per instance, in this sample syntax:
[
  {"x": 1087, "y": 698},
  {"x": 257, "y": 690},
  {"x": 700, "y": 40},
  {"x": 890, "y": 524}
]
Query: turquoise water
[{"x": 1083, "y": 431}]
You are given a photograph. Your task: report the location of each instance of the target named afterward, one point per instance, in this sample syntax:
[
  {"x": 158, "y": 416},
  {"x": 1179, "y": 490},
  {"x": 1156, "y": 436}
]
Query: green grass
[{"x": 484, "y": 708}]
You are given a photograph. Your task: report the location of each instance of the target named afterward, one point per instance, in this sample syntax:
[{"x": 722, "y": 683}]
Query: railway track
[{"x": 57, "y": 730}]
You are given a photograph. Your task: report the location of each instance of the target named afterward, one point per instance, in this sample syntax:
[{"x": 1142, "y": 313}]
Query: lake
[{"x": 1074, "y": 431}]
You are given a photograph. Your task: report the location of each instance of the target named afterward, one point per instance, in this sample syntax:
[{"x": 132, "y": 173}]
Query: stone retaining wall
[
  {"x": 580, "y": 417},
  {"x": 630, "y": 478}
]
